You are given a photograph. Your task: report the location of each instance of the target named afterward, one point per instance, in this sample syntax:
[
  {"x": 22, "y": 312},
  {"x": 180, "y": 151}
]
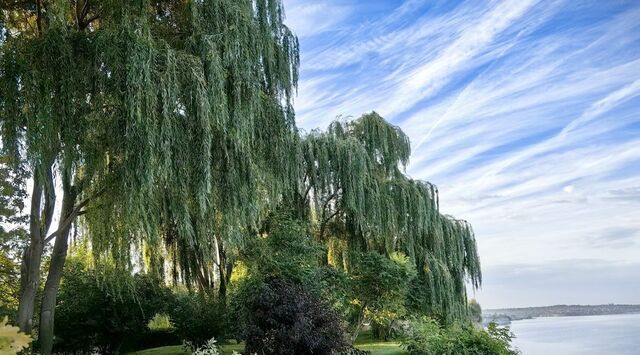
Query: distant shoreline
[{"x": 504, "y": 316}]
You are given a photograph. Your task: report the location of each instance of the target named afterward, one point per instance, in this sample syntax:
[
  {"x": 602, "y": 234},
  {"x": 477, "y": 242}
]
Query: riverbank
[{"x": 505, "y": 316}]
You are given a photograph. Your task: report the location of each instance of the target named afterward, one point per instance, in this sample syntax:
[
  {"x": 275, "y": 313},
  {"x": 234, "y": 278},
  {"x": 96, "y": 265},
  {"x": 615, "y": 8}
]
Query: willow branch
[
  {"x": 88, "y": 21},
  {"x": 85, "y": 9},
  {"x": 325, "y": 221},
  {"x": 77, "y": 211},
  {"x": 306, "y": 193},
  {"x": 39, "y": 17},
  {"x": 326, "y": 202},
  {"x": 50, "y": 200}
]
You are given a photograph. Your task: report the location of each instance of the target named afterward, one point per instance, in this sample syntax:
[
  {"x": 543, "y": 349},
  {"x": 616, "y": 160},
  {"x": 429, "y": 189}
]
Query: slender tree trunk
[
  {"x": 389, "y": 329},
  {"x": 30, "y": 268},
  {"x": 58, "y": 258},
  {"x": 29, "y": 283},
  {"x": 224, "y": 274},
  {"x": 39, "y": 222},
  {"x": 222, "y": 265},
  {"x": 356, "y": 331},
  {"x": 229, "y": 270}
]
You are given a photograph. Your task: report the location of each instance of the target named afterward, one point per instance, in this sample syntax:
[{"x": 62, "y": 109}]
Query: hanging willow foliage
[
  {"x": 360, "y": 199},
  {"x": 173, "y": 117}
]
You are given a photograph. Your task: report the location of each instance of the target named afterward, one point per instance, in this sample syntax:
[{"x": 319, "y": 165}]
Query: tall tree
[
  {"x": 355, "y": 191},
  {"x": 155, "y": 119}
]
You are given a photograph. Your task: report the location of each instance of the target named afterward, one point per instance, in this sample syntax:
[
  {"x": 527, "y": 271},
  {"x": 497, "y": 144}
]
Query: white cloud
[
  {"x": 308, "y": 19},
  {"x": 426, "y": 79}
]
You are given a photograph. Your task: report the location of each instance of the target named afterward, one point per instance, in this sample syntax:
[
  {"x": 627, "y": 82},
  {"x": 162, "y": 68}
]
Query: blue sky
[{"x": 525, "y": 113}]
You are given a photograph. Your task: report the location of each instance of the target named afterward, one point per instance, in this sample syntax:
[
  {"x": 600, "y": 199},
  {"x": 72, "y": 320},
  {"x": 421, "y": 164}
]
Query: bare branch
[{"x": 77, "y": 211}]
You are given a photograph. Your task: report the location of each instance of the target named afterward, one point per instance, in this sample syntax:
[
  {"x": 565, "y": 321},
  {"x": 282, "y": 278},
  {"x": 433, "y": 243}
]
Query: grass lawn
[
  {"x": 179, "y": 350},
  {"x": 376, "y": 348},
  {"x": 165, "y": 350},
  {"x": 383, "y": 348},
  {"x": 364, "y": 342}
]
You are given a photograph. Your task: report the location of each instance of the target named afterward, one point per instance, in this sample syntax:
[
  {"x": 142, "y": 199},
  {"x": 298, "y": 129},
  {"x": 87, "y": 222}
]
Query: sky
[{"x": 525, "y": 113}]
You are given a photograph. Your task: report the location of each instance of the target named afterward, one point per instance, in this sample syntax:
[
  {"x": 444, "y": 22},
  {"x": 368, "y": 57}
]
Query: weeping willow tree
[
  {"x": 354, "y": 190},
  {"x": 161, "y": 123}
]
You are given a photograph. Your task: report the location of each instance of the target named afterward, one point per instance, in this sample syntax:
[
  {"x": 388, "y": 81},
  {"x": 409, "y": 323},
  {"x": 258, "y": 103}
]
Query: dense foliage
[
  {"x": 358, "y": 199},
  {"x": 94, "y": 317},
  {"x": 199, "y": 317},
  {"x": 380, "y": 287},
  {"x": 475, "y": 311},
  {"x": 285, "y": 319},
  {"x": 427, "y": 337}
]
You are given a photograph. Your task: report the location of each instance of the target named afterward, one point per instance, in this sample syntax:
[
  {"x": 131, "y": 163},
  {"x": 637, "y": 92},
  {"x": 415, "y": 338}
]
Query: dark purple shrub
[{"x": 285, "y": 319}]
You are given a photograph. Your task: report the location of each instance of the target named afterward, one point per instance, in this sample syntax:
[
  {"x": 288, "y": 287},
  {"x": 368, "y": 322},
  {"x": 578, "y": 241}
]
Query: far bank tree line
[{"x": 164, "y": 131}]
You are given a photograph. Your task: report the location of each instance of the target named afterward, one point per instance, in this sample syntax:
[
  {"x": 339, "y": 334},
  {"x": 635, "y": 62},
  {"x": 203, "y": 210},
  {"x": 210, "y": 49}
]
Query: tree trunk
[
  {"x": 39, "y": 222},
  {"x": 387, "y": 334},
  {"x": 222, "y": 265},
  {"x": 58, "y": 258},
  {"x": 356, "y": 331},
  {"x": 229, "y": 270},
  {"x": 377, "y": 330},
  {"x": 29, "y": 282}
]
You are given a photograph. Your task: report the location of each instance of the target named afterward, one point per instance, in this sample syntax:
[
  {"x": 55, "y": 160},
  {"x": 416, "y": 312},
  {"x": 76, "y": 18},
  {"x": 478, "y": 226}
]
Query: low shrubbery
[
  {"x": 427, "y": 337},
  {"x": 160, "y": 323},
  {"x": 92, "y": 316},
  {"x": 285, "y": 319},
  {"x": 198, "y": 317},
  {"x": 283, "y": 299},
  {"x": 273, "y": 315},
  {"x": 379, "y": 287}
]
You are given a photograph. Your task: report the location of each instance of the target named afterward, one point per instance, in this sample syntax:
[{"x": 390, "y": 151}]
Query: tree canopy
[
  {"x": 180, "y": 108},
  {"x": 360, "y": 200},
  {"x": 161, "y": 120}
]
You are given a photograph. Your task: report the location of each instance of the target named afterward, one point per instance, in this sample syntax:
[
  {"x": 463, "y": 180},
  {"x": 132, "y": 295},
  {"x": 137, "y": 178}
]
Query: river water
[{"x": 610, "y": 334}]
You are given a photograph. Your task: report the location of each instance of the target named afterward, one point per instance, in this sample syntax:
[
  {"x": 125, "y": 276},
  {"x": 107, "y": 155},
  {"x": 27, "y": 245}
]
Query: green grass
[
  {"x": 229, "y": 348},
  {"x": 383, "y": 348},
  {"x": 179, "y": 350},
  {"x": 165, "y": 350},
  {"x": 376, "y": 348},
  {"x": 364, "y": 342}
]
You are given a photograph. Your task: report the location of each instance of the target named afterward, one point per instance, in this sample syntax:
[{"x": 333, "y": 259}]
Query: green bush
[
  {"x": 285, "y": 251},
  {"x": 91, "y": 316},
  {"x": 198, "y": 317},
  {"x": 379, "y": 285},
  {"x": 160, "y": 322},
  {"x": 427, "y": 337},
  {"x": 475, "y": 311}
]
